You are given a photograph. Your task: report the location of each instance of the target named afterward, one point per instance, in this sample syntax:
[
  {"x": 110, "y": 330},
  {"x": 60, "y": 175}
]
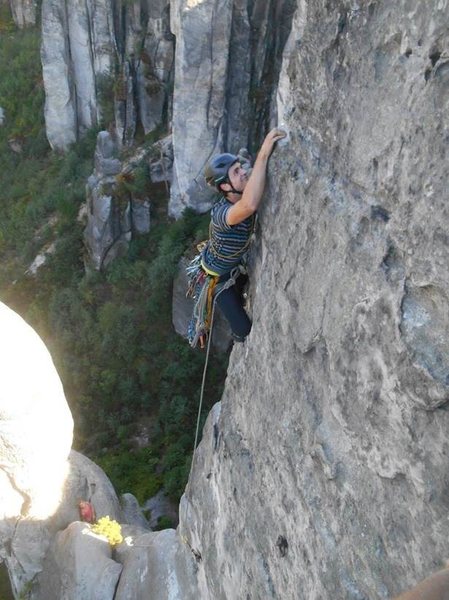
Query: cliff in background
[
  {"x": 323, "y": 471},
  {"x": 213, "y": 93},
  {"x": 99, "y": 53},
  {"x": 24, "y": 12},
  {"x": 114, "y": 64}
]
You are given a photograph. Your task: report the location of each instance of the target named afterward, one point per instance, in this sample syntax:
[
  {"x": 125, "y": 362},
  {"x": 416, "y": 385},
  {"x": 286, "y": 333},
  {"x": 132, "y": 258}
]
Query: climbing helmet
[{"x": 216, "y": 171}]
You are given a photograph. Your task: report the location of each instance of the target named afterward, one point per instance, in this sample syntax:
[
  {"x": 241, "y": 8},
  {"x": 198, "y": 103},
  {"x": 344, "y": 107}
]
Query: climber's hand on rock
[{"x": 269, "y": 142}]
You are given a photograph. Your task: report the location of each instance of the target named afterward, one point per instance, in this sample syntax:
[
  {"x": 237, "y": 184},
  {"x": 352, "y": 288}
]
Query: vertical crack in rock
[{"x": 26, "y": 505}]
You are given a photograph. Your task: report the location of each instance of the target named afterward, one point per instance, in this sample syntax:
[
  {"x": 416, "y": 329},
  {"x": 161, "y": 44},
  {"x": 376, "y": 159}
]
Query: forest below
[{"x": 131, "y": 382}]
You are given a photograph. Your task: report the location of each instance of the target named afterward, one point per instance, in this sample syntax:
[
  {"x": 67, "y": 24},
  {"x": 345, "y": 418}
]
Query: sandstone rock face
[
  {"x": 40, "y": 483},
  {"x": 227, "y": 62},
  {"x": 113, "y": 212},
  {"x": 124, "y": 47},
  {"x": 323, "y": 474},
  {"x": 23, "y": 12},
  {"x": 33, "y": 452},
  {"x": 77, "y": 49},
  {"x": 157, "y": 566},
  {"x": 79, "y": 566}
]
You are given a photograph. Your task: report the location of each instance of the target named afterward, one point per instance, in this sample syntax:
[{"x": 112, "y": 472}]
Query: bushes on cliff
[
  {"x": 133, "y": 471},
  {"x": 21, "y": 88},
  {"x": 110, "y": 334}
]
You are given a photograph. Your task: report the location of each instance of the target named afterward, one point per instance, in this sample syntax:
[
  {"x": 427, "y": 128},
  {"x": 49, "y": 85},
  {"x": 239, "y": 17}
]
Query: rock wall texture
[
  {"x": 103, "y": 52},
  {"x": 323, "y": 473},
  {"x": 115, "y": 209},
  {"x": 31, "y": 400},
  {"x": 41, "y": 481},
  {"x": 77, "y": 49},
  {"x": 24, "y": 12},
  {"x": 226, "y": 66}
]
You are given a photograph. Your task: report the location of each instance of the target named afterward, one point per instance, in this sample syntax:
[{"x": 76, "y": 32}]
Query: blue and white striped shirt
[{"x": 227, "y": 243}]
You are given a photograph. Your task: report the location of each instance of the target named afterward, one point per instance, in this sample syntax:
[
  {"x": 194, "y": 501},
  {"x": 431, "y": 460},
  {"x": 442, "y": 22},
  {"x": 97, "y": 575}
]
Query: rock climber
[{"x": 232, "y": 223}]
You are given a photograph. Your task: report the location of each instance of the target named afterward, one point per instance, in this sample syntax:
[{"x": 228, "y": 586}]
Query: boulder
[
  {"x": 159, "y": 562},
  {"x": 41, "y": 484},
  {"x": 132, "y": 513},
  {"x": 24, "y": 543},
  {"x": 33, "y": 447},
  {"x": 78, "y": 566}
]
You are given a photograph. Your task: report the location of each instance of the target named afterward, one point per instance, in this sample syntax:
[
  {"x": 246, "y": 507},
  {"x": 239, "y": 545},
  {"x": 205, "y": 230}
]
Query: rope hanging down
[{"x": 222, "y": 287}]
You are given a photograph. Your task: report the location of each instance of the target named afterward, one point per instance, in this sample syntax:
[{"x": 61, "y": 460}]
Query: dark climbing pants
[{"x": 230, "y": 303}]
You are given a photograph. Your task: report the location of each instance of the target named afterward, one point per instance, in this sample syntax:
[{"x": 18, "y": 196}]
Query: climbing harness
[
  {"x": 201, "y": 289},
  {"x": 205, "y": 287}
]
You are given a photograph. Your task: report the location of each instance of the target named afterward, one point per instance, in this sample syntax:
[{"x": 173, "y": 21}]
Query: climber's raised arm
[
  {"x": 231, "y": 228},
  {"x": 246, "y": 201}
]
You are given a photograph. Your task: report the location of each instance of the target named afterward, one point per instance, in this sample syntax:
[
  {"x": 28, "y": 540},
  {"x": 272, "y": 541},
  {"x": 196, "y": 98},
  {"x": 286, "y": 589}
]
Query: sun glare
[{"x": 35, "y": 423}]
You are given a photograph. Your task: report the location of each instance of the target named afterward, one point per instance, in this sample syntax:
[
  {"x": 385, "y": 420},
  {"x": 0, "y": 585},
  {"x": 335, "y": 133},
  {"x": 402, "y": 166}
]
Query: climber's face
[{"x": 238, "y": 177}]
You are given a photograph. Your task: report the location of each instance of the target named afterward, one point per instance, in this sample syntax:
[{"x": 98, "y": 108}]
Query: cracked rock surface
[{"x": 323, "y": 472}]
